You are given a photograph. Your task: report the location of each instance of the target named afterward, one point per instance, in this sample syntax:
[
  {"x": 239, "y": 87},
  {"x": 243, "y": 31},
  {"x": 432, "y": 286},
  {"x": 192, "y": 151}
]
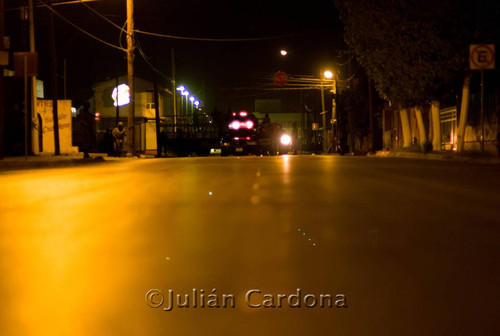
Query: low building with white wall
[{"x": 105, "y": 104}]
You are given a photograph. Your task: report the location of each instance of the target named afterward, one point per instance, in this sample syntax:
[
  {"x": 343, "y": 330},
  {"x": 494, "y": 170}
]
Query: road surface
[{"x": 301, "y": 245}]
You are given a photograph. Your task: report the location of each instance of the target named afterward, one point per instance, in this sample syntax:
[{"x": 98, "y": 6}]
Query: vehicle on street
[
  {"x": 241, "y": 136},
  {"x": 244, "y": 135}
]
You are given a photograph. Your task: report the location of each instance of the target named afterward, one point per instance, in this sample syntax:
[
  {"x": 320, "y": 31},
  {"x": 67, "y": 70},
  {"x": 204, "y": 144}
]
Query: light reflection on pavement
[{"x": 413, "y": 253}]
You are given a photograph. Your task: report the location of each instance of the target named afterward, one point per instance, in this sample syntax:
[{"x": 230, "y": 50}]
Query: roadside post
[
  {"x": 482, "y": 57},
  {"x": 25, "y": 65}
]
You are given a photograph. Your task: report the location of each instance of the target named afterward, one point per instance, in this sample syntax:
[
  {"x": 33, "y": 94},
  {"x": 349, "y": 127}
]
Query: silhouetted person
[
  {"x": 14, "y": 130},
  {"x": 163, "y": 142},
  {"x": 295, "y": 138},
  {"x": 266, "y": 120},
  {"x": 106, "y": 144},
  {"x": 87, "y": 121},
  {"x": 120, "y": 135},
  {"x": 277, "y": 132},
  {"x": 266, "y": 126}
]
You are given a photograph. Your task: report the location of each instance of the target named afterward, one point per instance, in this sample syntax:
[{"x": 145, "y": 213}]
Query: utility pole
[
  {"x": 174, "y": 90},
  {"x": 2, "y": 109},
  {"x": 323, "y": 113},
  {"x": 31, "y": 20},
  {"x": 350, "y": 116},
  {"x": 53, "y": 75},
  {"x": 117, "y": 99},
  {"x": 130, "y": 75},
  {"x": 482, "y": 111},
  {"x": 157, "y": 115}
]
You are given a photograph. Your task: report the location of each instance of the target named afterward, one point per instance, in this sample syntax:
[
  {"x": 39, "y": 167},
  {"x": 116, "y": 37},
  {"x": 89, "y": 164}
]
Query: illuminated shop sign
[{"x": 121, "y": 95}]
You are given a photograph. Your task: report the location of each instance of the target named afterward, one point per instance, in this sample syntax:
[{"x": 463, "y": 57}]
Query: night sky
[{"x": 310, "y": 31}]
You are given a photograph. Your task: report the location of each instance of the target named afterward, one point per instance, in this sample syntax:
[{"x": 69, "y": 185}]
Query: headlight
[
  {"x": 235, "y": 124},
  {"x": 286, "y": 139},
  {"x": 249, "y": 124}
]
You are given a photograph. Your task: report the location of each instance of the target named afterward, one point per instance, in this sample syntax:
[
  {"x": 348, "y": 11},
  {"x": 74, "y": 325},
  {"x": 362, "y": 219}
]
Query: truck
[{"x": 245, "y": 134}]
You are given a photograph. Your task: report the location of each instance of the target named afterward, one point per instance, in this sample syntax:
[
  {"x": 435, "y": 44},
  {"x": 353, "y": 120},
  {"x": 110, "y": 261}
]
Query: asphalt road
[{"x": 397, "y": 247}]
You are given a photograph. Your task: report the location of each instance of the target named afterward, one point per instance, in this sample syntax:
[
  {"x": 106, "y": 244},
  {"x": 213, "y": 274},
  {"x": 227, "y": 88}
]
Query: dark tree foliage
[{"x": 412, "y": 49}]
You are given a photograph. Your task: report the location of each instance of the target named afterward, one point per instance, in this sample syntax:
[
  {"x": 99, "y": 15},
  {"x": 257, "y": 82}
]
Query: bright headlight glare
[
  {"x": 286, "y": 139},
  {"x": 235, "y": 124},
  {"x": 249, "y": 124}
]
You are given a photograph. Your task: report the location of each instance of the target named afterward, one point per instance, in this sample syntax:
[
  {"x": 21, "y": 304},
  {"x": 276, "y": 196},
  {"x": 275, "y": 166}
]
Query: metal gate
[{"x": 448, "y": 119}]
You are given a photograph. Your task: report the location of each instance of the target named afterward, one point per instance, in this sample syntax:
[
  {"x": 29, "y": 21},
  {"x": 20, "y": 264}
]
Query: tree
[{"x": 411, "y": 49}]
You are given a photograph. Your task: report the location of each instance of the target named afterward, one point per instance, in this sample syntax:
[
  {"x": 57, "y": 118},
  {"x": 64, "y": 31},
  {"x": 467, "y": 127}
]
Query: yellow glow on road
[{"x": 62, "y": 251}]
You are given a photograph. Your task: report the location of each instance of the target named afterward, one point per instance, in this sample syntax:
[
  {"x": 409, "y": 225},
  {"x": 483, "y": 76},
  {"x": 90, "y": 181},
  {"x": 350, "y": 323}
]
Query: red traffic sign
[
  {"x": 482, "y": 56},
  {"x": 280, "y": 78}
]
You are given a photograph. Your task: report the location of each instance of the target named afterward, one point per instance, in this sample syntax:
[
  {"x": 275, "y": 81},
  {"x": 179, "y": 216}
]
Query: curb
[
  {"x": 50, "y": 161},
  {"x": 450, "y": 157}
]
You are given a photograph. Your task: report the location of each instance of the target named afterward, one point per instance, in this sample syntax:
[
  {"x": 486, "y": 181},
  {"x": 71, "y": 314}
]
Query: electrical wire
[
  {"x": 121, "y": 34},
  {"x": 101, "y": 16},
  {"x": 146, "y": 59},
  {"x": 122, "y": 30},
  {"x": 189, "y": 38},
  {"x": 215, "y": 39},
  {"x": 78, "y": 28}
]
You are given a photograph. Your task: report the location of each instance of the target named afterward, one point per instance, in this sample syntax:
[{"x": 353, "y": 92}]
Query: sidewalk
[
  {"x": 52, "y": 161},
  {"x": 441, "y": 156}
]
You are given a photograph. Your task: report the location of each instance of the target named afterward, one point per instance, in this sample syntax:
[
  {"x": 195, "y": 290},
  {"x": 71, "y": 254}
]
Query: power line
[
  {"x": 78, "y": 28},
  {"x": 216, "y": 39},
  {"x": 101, "y": 16},
  {"x": 146, "y": 59},
  {"x": 190, "y": 38}
]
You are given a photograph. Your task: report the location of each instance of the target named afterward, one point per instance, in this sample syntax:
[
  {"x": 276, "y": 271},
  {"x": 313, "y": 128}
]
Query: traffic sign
[
  {"x": 280, "y": 78},
  {"x": 482, "y": 56}
]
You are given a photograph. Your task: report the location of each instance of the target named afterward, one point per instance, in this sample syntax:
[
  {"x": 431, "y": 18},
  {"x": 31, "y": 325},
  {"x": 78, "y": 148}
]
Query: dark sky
[{"x": 310, "y": 31}]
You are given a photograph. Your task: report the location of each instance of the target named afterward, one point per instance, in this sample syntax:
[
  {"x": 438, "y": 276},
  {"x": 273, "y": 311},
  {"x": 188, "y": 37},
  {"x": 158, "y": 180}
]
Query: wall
[
  {"x": 43, "y": 112},
  {"x": 472, "y": 138}
]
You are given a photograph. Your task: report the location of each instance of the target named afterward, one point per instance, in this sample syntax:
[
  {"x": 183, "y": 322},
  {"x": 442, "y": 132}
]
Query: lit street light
[
  {"x": 327, "y": 74},
  {"x": 191, "y": 99},
  {"x": 185, "y": 93}
]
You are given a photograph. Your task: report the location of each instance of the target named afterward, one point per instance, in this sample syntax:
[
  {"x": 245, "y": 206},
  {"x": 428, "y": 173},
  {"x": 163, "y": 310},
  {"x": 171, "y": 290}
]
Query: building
[{"x": 111, "y": 104}]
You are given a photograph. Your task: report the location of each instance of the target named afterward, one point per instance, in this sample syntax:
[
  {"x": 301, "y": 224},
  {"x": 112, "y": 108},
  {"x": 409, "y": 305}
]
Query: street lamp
[
  {"x": 327, "y": 74},
  {"x": 192, "y": 99},
  {"x": 185, "y": 93}
]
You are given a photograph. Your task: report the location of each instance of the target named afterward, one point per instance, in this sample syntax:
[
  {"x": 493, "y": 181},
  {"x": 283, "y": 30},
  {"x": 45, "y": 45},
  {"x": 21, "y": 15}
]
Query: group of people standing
[{"x": 113, "y": 141}]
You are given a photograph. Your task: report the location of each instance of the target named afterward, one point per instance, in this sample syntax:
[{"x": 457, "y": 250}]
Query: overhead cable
[
  {"x": 216, "y": 39},
  {"x": 78, "y": 28},
  {"x": 141, "y": 52},
  {"x": 101, "y": 16}
]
